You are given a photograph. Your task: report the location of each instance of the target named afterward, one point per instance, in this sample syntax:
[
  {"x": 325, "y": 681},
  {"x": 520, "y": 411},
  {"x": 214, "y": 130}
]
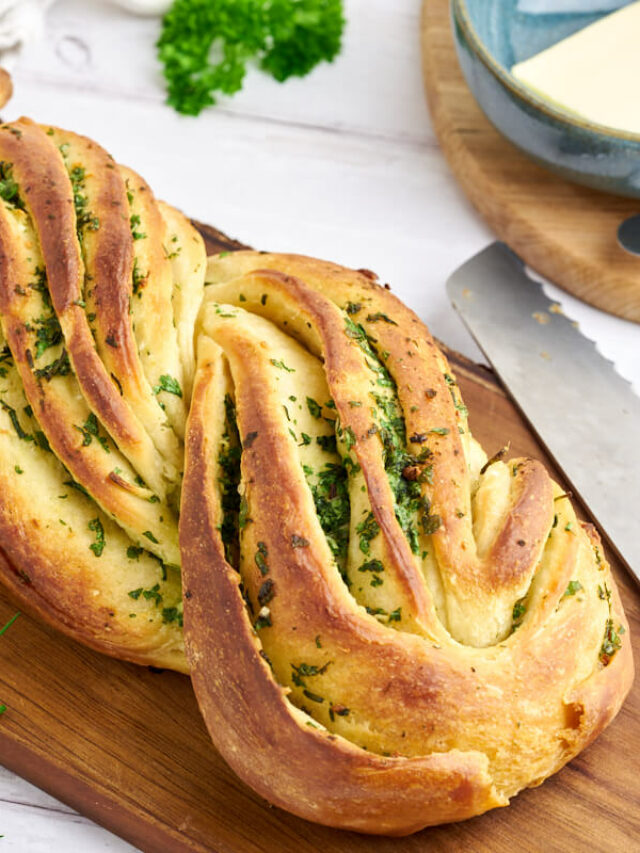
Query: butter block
[{"x": 593, "y": 73}]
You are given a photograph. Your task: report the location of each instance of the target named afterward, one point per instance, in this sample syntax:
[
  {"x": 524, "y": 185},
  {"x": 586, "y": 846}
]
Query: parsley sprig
[{"x": 205, "y": 44}]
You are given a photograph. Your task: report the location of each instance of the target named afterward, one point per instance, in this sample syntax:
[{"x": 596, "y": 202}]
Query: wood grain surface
[
  {"x": 566, "y": 232},
  {"x": 126, "y": 745}
]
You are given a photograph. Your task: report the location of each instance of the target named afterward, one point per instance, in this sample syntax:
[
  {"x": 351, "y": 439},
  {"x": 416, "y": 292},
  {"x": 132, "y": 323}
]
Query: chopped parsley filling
[
  {"x": 15, "y": 423},
  {"x": 519, "y": 610},
  {"x": 48, "y": 332},
  {"x": 229, "y": 457},
  {"x": 138, "y": 278},
  {"x": 9, "y": 190},
  {"x": 85, "y": 220},
  {"x": 406, "y": 471},
  {"x": 329, "y": 487},
  {"x": 6, "y": 361},
  {"x": 90, "y": 430},
  {"x": 60, "y": 366},
  {"x": 612, "y": 640},
  {"x": 169, "y": 384},
  {"x": 95, "y": 525}
]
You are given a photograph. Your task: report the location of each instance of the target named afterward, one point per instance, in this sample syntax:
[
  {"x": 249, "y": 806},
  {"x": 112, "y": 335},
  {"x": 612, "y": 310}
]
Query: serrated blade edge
[{"x": 584, "y": 412}]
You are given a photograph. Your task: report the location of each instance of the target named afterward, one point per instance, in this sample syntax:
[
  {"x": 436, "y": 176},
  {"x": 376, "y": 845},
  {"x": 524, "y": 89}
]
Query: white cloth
[
  {"x": 20, "y": 21},
  {"x": 558, "y": 7},
  {"x": 23, "y": 21}
]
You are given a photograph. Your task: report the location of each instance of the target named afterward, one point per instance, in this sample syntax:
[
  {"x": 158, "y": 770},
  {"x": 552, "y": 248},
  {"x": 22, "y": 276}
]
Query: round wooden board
[{"x": 566, "y": 232}]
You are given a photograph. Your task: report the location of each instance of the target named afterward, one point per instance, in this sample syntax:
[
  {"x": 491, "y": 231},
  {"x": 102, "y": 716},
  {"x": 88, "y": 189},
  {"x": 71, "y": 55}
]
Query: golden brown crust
[
  {"x": 523, "y": 696},
  {"x": 39, "y": 170},
  {"x": 346, "y": 371},
  {"x": 274, "y": 750},
  {"x": 151, "y": 306},
  {"x": 184, "y": 248},
  {"x": 66, "y": 559},
  {"x": 517, "y": 548},
  {"x": 69, "y": 607},
  {"x": 108, "y": 256},
  {"x": 434, "y": 417}
]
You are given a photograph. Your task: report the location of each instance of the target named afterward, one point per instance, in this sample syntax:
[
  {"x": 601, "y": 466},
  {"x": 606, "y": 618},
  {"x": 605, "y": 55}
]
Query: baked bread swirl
[
  {"x": 408, "y": 632},
  {"x": 95, "y": 279},
  {"x": 365, "y": 593}
]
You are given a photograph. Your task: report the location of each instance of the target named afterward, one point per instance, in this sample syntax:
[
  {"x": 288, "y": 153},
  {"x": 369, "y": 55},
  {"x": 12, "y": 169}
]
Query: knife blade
[{"x": 585, "y": 413}]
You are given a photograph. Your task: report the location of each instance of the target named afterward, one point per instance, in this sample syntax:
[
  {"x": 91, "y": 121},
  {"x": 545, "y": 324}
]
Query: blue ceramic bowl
[{"x": 491, "y": 36}]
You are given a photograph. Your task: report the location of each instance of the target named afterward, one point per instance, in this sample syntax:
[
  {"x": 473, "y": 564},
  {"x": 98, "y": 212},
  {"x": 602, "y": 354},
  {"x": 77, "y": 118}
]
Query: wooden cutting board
[
  {"x": 566, "y": 232},
  {"x": 126, "y": 745}
]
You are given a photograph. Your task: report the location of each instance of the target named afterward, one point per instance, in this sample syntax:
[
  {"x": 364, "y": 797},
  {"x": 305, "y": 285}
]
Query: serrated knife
[{"x": 585, "y": 414}]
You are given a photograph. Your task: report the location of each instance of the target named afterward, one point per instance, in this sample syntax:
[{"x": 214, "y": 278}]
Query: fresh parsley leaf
[
  {"x": 205, "y": 45},
  {"x": 95, "y": 525}
]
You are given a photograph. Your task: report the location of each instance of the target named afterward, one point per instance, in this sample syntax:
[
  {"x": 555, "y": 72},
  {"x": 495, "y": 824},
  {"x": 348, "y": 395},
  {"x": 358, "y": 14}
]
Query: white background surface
[{"x": 343, "y": 165}]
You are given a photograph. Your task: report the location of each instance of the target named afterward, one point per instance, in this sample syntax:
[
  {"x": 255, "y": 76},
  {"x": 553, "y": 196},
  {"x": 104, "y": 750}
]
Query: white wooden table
[{"x": 342, "y": 165}]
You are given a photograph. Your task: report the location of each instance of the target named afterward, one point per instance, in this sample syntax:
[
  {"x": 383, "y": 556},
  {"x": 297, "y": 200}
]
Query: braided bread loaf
[
  {"x": 99, "y": 289},
  {"x": 417, "y": 633},
  {"x": 385, "y": 629}
]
